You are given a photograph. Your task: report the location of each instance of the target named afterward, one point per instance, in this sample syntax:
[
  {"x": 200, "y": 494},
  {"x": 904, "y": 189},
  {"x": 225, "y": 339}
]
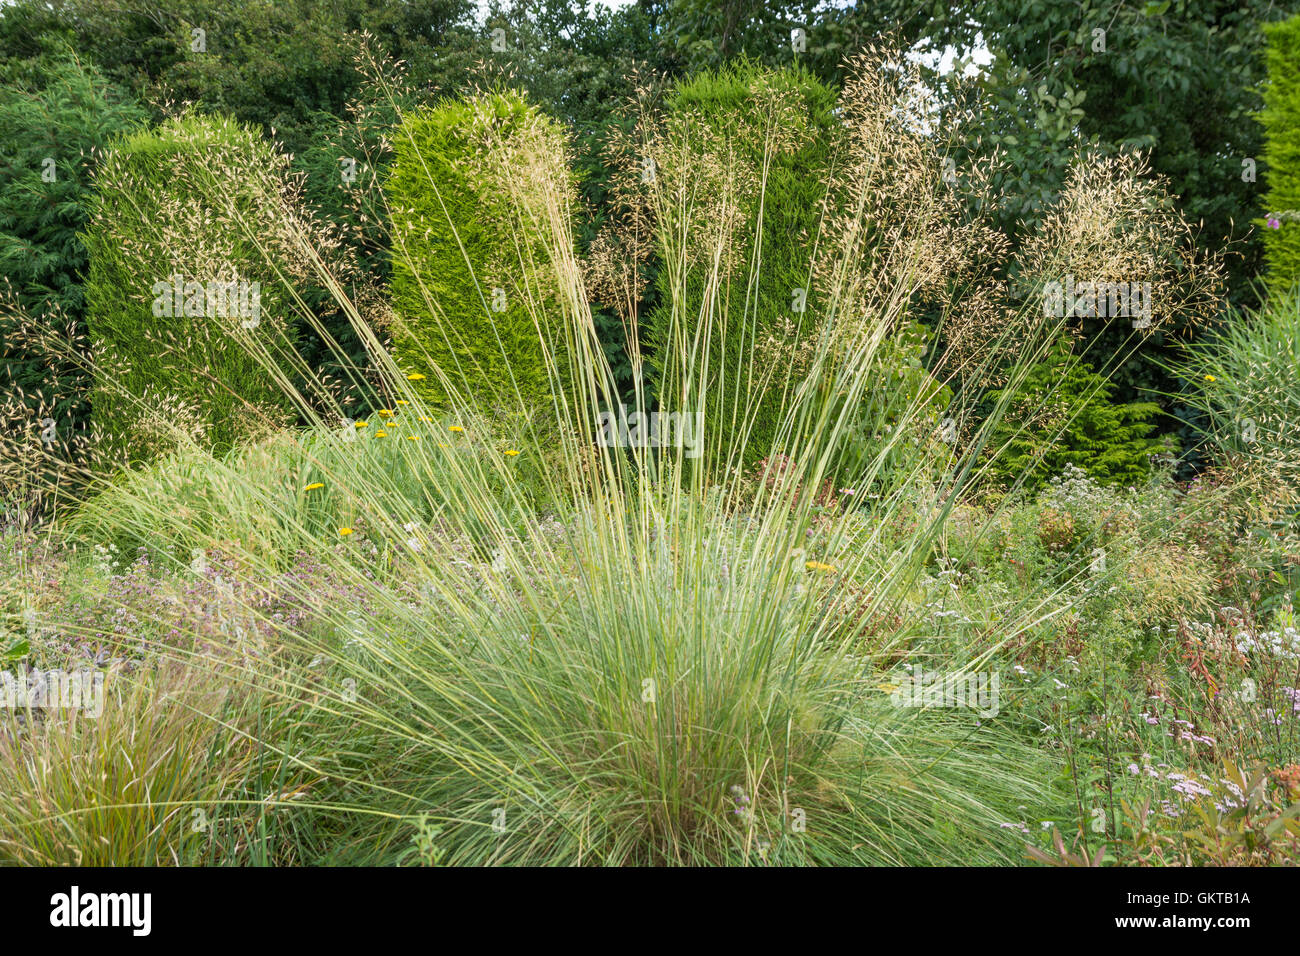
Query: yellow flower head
[
  {"x": 511, "y": 452},
  {"x": 386, "y": 412},
  {"x": 818, "y": 566},
  {"x": 1210, "y": 378},
  {"x": 401, "y": 401},
  {"x": 414, "y": 377},
  {"x": 363, "y": 424},
  {"x": 455, "y": 428},
  {"x": 412, "y": 437},
  {"x": 380, "y": 434},
  {"x": 345, "y": 531},
  {"x": 314, "y": 485}
]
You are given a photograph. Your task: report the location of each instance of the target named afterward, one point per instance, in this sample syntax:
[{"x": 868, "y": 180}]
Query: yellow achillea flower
[
  {"x": 363, "y": 424},
  {"x": 425, "y": 418},
  {"x": 380, "y": 434},
  {"x": 512, "y": 452},
  {"x": 442, "y": 444},
  {"x": 314, "y": 485},
  {"x": 414, "y": 377},
  {"x": 386, "y": 412},
  {"x": 1210, "y": 378},
  {"x": 412, "y": 437},
  {"x": 455, "y": 428},
  {"x": 402, "y": 402},
  {"x": 818, "y": 566},
  {"x": 345, "y": 531}
]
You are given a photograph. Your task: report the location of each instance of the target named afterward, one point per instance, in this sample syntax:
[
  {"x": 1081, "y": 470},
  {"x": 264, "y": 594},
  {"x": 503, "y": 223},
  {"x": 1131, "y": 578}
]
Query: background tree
[
  {"x": 272, "y": 63},
  {"x": 54, "y": 125}
]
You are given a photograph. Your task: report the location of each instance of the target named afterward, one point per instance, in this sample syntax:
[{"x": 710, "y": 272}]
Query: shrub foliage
[{"x": 1061, "y": 415}]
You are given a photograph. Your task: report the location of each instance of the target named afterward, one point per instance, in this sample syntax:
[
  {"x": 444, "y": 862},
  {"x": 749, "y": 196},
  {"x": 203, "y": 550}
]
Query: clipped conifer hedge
[
  {"x": 186, "y": 288},
  {"x": 1281, "y": 119},
  {"x": 720, "y": 127},
  {"x": 476, "y": 186}
]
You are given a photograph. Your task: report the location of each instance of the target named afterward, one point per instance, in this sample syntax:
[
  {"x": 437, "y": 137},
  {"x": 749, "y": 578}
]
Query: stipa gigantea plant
[
  {"x": 1114, "y": 222},
  {"x": 1112, "y": 225},
  {"x": 594, "y": 663}
]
